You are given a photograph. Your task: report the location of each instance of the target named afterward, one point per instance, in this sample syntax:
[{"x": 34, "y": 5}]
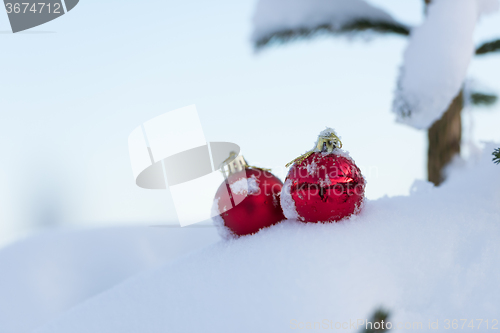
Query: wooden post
[{"x": 445, "y": 136}]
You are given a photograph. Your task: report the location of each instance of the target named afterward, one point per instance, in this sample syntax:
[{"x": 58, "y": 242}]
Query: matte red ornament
[
  {"x": 245, "y": 210},
  {"x": 324, "y": 185}
]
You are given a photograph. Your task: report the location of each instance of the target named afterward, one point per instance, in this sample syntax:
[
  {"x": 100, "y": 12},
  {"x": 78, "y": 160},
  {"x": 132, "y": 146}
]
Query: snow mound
[
  {"x": 430, "y": 256},
  {"x": 281, "y": 16},
  {"x": 44, "y": 276},
  {"x": 436, "y": 60}
]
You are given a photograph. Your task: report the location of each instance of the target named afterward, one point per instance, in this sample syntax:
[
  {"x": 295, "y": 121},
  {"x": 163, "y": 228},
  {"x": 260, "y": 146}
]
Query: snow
[
  {"x": 275, "y": 16},
  {"x": 245, "y": 185},
  {"x": 312, "y": 168},
  {"x": 488, "y": 6},
  {"x": 436, "y": 60},
  {"x": 287, "y": 203},
  {"x": 222, "y": 230},
  {"x": 327, "y": 132},
  {"x": 429, "y": 256},
  {"x": 253, "y": 185},
  {"x": 44, "y": 276}
]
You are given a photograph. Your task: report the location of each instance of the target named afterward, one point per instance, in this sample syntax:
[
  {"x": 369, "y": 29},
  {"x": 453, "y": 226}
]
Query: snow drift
[
  {"x": 430, "y": 256},
  {"x": 42, "y": 277}
]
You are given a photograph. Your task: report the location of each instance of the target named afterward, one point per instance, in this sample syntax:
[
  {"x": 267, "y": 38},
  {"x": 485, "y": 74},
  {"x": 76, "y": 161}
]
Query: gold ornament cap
[
  {"x": 327, "y": 142},
  {"x": 236, "y": 163}
]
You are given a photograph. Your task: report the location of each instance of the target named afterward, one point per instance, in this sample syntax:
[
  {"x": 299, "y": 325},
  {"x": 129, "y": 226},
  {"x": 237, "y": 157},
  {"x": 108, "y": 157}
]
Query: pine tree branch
[
  {"x": 483, "y": 99},
  {"x": 493, "y": 46},
  {"x": 496, "y": 156},
  {"x": 380, "y": 27},
  {"x": 286, "y": 36},
  {"x": 380, "y": 316}
]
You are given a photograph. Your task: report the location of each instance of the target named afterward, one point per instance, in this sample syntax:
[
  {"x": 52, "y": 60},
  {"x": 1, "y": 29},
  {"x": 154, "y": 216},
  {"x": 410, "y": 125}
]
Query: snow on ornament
[
  {"x": 247, "y": 201},
  {"x": 324, "y": 184}
]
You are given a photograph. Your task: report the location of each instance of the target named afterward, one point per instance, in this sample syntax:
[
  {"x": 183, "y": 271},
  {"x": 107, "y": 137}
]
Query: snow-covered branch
[
  {"x": 285, "y": 20},
  {"x": 436, "y": 60}
]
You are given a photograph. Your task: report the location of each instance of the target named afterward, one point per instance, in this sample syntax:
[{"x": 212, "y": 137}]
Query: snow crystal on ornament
[
  {"x": 253, "y": 185},
  {"x": 287, "y": 203},
  {"x": 311, "y": 168},
  {"x": 246, "y": 185},
  {"x": 327, "y": 132},
  {"x": 343, "y": 153}
]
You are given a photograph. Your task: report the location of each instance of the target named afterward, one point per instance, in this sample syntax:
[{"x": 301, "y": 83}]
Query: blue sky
[{"x": 74, "y": 88}]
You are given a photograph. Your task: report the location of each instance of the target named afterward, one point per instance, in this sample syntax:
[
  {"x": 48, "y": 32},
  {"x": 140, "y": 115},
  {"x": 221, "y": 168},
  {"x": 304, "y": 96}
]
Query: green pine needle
[
  {"x": 381, "y": 27},
  {"x": 286, "y": 36},
  {"x": 379, "y": 316},
  {"x": 493, "y": 46},
  {"x": 496, "y": 156},
  {"x": 483, "y": 99}
]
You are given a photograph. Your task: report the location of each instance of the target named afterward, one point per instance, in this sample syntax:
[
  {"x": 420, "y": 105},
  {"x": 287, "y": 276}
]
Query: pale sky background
[{"x": 74, "y": 88}]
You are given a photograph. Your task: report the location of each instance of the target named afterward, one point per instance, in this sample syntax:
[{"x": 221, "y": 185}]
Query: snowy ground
[
  {"x": 42, "y": 277},
  {"x": 433, "y": 255}
]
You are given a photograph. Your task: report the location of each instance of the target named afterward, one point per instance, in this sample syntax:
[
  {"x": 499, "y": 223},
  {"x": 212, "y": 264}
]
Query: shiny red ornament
[
  {"x": 257, "y": 204},
  {"x": 323, "y": 186}
]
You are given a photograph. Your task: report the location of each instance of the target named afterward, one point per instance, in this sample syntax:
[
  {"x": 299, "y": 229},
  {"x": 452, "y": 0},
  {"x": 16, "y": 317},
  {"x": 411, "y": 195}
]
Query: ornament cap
[
  {"x": 236, "y": 163},
  {"x": 327, "y": 142}
]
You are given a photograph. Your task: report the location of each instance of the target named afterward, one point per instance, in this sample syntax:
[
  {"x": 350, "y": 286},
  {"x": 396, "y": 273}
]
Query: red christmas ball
[
  {"x": 248, "y": 201},
  {"x": 323, "y": 186}
]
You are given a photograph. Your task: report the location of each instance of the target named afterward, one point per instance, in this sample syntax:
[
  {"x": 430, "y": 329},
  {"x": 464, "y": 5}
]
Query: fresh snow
[
  {"x": 42, "y": 277},
  {"x": 433, "y": 255},
  {"x": 287, "y": 203},
  {"x": 222, "y": 230},
  {"x": 312, "y": 168},
  {"x": 327, "y": 132},
  {"x": 436, "y": 60},
  {"x": 275, "y": 16},
  {"x": 245, "y": 185}
]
